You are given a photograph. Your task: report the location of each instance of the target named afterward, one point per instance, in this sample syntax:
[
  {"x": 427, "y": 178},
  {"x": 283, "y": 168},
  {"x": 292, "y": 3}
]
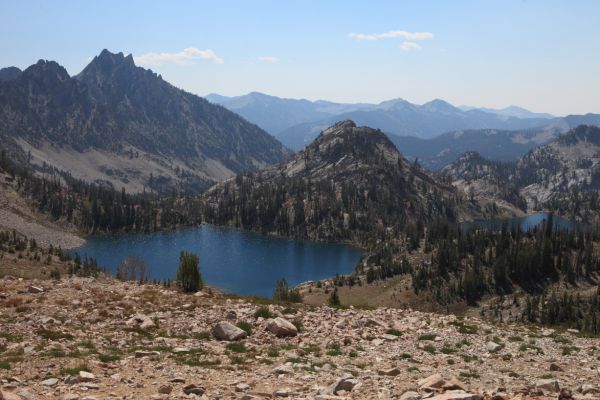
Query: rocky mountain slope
[
  {"x": 84, "y": 338},
  {"x": 349, "y": 184},
  {"x": 560, "y": 176},
  {"x": 122, "y": 125}
]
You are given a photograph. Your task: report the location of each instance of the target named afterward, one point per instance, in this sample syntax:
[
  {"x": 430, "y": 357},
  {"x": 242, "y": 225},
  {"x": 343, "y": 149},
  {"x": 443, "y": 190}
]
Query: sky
[{"x": 542, "y": 55}]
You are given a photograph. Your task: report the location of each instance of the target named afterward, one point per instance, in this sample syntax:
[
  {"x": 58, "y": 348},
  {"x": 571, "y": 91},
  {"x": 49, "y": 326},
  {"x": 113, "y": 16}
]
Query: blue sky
[{"x": 543, "y": 55}]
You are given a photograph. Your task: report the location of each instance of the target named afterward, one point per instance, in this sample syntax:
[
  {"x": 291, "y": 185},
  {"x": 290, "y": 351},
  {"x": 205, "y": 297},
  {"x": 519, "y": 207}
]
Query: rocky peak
[
  {"x": 9, "y": 73},
  {"x": 107, "y": 65},
  {"x": 46, "y": 71},
  {"x": 339, "y": 127},
  {"x": 346, "y": 141}
]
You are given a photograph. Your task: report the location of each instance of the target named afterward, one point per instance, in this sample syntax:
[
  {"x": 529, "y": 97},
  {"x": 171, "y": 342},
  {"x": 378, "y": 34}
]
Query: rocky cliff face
[
  {"x": 119, "y": 123},
  {"x": 349, "y": 181},
  {"x": 562, "y": 176}
]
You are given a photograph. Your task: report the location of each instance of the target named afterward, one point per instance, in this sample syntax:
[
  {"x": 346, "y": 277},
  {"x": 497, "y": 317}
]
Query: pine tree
[{"x": 188, "y": 274}]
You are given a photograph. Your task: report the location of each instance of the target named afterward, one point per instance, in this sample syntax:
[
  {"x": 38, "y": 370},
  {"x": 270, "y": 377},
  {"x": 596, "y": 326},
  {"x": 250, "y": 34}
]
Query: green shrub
[
  {"x": 263, "y": 312},
  {"x": 245, "y": 326}
]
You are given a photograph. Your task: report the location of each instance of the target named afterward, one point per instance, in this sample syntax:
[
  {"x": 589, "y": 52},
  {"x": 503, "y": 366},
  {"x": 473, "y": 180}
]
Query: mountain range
[
  {"x": 121, "y": 125},
  {"x": 296, "y": 122}
]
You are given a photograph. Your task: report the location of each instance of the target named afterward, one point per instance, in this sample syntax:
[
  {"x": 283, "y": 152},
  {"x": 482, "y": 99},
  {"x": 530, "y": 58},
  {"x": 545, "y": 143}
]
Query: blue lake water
[
  {"x": 526, "y": 223},
  {"x": 232, "y": 260}
]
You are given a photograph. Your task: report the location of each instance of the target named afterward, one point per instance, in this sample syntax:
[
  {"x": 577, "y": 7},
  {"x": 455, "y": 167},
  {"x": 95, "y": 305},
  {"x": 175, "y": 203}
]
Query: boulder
[
  {"x": 434, "y": 381},
  {"x": 281, "y": 327},
  {"x": 229, "y": 332}
]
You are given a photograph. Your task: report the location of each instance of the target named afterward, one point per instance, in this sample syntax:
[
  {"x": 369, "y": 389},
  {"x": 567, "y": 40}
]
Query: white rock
[
  {"x": 493, "y": 347},
  {"x": 227, "y": 331},
  {"x": 50, "y": 382},
  {"x": 281, "y": 327}
]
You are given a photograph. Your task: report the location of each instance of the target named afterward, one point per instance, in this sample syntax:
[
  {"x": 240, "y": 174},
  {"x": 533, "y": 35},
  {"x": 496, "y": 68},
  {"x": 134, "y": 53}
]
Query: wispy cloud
[
  {"x": 269, "y": 59},
  {"x": 395, "y": 34},
  {"x": 409, "y": 46},
  {"x": 187, "y": 56}
]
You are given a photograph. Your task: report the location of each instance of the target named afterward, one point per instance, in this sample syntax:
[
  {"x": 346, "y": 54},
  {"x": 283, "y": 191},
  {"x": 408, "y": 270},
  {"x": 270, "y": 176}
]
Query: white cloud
[
  {"x": 269, "y": 59},
  {"x": 392, "y": 35},
  {"x": 409, "y": 46},
  {"x": 185, "y": 57}
]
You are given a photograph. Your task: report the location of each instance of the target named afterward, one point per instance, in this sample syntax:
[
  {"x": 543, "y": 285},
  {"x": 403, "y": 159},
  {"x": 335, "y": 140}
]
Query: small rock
[
  {"x": 389, "y": 372},
  {"x": 193, "y": 389},
  {"x": 565, "y": 394},
  {"x": 283, "y": 393},
  {"x": 226, "y": 331},
  {"x": 165, "y": 389},
  {"x": 35, "y": 289},
  {"x": 493, "y": 347},
  {"x": 24, "y": 394},
  {"x": 346, "y": 383},
  {"x": 281, "y": 327},
  {"x": 454, "y": 384},
  {"x": 50, "y": 382},
  {"x": 284, "y": 370},
  {"x": 410, "y": 395},
  {"x": 241, "y": 387},
  {"x": 555, "y": 367},
  {"x": 434, "y": 381},
  {"x": 587, "y": 388},
  {"x": 85, "y": 376},
  {"x": 146, "y": 353},
  {"x": 457, "y": 395},
  {"x": 550, "y": 385}
]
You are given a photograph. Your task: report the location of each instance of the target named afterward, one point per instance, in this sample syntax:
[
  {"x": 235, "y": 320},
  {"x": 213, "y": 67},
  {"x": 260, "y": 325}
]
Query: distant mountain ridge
[
  {"x": 562, "y": 176},
  {"x": 297, "y": 122},
  {"x": 118, "y": 124},
  {"x": 494, "y": 144}
]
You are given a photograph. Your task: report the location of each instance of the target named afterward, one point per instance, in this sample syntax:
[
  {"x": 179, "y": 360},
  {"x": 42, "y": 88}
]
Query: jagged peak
[
  {"x": 106, "y": 63},
  {"x": 338, "y": 127}
]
